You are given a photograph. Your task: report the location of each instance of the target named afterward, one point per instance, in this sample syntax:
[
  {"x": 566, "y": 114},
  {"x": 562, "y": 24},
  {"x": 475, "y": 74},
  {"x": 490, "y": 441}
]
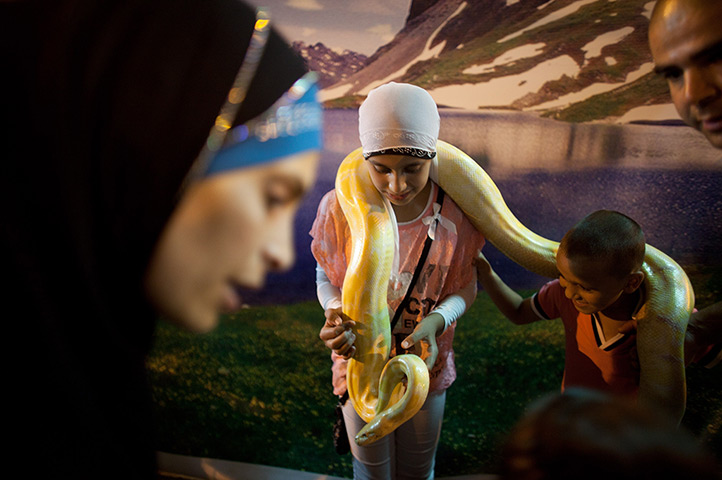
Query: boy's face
[{"x": 587, "y": 284}]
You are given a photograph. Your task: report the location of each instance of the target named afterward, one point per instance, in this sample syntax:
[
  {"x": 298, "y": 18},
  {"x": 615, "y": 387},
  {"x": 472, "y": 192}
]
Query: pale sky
[{"x": 358, "y": 25}]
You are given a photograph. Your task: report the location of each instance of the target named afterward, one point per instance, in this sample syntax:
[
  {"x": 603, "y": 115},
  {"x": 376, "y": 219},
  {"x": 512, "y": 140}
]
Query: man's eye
[
  {"x": 711, "y": 56},
  {"x": 672, "y": 74}
]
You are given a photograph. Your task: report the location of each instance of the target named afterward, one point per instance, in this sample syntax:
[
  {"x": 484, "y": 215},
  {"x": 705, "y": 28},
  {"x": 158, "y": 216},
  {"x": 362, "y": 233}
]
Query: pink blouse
[{"x": 447, "y": 270}]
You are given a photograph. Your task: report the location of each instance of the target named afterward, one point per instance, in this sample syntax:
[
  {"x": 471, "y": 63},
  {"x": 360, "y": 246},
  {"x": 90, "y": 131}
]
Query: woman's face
[{"x": 228, "y": 231}]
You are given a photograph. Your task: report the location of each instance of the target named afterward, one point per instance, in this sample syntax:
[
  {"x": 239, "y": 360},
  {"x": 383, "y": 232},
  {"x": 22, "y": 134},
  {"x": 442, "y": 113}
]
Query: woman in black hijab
[{"x": 105, "y": 223}]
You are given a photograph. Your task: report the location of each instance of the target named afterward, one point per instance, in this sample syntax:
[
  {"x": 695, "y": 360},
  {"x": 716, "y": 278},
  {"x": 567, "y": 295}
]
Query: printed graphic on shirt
[{"x": 420, "y": 304}]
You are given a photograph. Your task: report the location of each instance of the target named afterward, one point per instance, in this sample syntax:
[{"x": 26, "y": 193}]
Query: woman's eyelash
[{"x": 277, "y": 194}]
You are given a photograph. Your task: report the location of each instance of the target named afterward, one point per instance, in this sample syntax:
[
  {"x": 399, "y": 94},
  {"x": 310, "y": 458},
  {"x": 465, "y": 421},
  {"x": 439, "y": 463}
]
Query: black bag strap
[{"x": 419, "y": 267}]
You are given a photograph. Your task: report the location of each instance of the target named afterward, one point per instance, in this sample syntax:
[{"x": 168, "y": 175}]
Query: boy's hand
[
  {"x": 337, "y": 333},
  {"x": 483, "y": 267},
  {"x": 426, "y": 332}
]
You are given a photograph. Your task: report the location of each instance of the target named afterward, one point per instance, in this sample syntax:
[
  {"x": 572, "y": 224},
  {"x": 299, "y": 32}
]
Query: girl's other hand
[{"x": 426, "y": 332}]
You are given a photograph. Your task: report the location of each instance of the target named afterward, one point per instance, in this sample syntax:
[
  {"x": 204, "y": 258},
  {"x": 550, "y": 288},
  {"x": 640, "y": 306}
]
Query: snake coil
[{"x": 376, "y": 385}]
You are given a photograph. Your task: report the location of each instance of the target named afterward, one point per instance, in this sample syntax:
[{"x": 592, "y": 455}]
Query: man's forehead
[
  {"x": 686, "y": 15},
  {"x": 684, "y": 28}
]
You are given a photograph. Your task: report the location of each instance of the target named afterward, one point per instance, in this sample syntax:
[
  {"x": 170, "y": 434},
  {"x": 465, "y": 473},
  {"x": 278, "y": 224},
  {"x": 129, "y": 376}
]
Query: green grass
[{"x": 257, "y": 389}]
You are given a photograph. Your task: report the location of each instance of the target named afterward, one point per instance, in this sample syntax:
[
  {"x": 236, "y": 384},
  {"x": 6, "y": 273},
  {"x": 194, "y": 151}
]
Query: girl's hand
[
  {"x": 337, "y": 333},
  {"x": 426, "y": 332}
]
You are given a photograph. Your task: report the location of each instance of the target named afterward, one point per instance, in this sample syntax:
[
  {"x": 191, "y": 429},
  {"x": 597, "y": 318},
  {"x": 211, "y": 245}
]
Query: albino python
[{"x": 375, "y": 387}]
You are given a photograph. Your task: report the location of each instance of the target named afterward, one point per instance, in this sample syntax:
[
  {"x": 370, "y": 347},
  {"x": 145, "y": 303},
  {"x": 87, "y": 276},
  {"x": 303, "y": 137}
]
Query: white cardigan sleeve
[{"x": 329, "y": 296}]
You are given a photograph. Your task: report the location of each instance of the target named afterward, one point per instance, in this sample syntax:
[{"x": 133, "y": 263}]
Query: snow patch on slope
[
  {"x": 513, "y": 55},
  {"x": 505, "y": 90},
  {"x": 552, "y": 17}
]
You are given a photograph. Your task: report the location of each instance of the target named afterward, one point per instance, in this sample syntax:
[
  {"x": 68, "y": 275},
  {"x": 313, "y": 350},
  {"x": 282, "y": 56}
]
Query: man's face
[{"x": 685, "y": 37}]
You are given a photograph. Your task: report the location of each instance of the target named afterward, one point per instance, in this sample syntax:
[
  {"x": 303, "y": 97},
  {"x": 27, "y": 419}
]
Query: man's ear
[{"x": 634, "y": 281}]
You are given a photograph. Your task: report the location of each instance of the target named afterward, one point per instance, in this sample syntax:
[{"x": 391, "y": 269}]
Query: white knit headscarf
[{"x": 398, "y": 116}]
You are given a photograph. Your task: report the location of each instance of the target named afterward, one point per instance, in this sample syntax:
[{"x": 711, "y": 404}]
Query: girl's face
[
  {"x": 399, "y": 178},
  {"x": 228, "y": 231}
]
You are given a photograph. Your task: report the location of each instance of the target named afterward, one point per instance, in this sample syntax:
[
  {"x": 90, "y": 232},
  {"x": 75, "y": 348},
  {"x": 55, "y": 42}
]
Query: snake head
[{"x": 365, "y": 438}]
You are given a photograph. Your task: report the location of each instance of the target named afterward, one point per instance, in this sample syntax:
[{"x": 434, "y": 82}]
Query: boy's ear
[{"x": 634, "y": 281}]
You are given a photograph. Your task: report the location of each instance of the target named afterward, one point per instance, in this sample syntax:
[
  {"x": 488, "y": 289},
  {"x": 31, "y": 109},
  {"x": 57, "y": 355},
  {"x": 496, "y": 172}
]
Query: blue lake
[{"x": 552, "y": 174}]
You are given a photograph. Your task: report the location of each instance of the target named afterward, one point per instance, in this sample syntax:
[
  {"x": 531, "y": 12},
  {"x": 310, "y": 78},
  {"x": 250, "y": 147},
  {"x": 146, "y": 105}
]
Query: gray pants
[{"x": 408, "y": 453}]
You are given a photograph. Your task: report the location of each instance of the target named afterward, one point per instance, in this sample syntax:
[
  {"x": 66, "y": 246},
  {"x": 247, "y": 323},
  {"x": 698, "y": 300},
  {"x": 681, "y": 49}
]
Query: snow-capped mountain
[
  {"x": 575, "y": 60},
  {"x": 331, "y": 66}
]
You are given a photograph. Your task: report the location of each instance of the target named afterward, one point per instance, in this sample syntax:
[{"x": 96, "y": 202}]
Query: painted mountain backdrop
[
  {"x": 572, "y": 60},
  {"x": 332, "y": 66}
]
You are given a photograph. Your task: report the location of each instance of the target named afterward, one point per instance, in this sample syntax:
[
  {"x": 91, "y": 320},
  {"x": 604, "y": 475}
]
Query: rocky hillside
[
  {"x": 575, "y": 60},
  {"x": 332, "y": 66}
]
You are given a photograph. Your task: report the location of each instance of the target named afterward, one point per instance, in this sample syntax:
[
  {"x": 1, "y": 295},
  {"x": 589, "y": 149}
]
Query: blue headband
[{"x": 292, "y": 125}]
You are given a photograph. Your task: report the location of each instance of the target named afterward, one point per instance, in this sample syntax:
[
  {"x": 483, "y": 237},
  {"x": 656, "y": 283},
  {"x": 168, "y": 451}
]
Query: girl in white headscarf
[{"x": 399, "y": 127}]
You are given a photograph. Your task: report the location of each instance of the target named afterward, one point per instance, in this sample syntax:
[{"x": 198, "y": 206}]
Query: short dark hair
[
  {"x": 596, "y": 436},
  {"x": 609, "y": 236}
]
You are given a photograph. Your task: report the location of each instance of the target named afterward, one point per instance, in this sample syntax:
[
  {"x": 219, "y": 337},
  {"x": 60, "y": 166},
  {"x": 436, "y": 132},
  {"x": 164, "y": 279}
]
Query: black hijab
[{"x": 110, "y": 102}]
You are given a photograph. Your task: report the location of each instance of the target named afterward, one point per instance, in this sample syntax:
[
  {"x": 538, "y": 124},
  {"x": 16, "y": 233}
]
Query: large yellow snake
[{"x": 374, "y": 385}]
